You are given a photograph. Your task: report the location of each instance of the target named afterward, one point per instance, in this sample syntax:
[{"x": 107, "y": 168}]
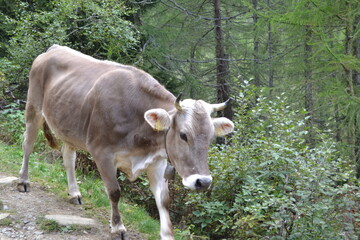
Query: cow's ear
[
  {"x": 158, "y": 119},
  {"x": 222, "y": 126}
]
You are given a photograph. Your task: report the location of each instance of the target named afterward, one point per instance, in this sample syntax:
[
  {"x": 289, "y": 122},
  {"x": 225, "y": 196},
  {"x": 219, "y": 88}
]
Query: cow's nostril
[
  {"x": 198, "y": 184},
  {"x": 202, "y": 184}
]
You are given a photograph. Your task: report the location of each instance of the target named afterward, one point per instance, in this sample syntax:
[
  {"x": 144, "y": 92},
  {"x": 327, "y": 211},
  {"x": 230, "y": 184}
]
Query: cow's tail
[{"x": 51, "y": 140}]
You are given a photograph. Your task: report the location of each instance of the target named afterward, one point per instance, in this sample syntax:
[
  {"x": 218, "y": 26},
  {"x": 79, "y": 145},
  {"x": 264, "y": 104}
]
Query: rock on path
[
  {"x": 69, "y": 220},
  {"x": 7, "y": 181}
]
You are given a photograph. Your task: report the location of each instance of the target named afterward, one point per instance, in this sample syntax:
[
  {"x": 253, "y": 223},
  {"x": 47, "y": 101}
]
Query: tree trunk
[
  {"x": 256, "y": 66},
  {"x": 351, "y": 138},
  {"x": 192, "y": 72},
  {"x": 356, "y": 83},
  {"x": 337, "y": 123},
  {"x": 222, "y": 65},
  {"x": 309, "y": 101},
  {"x": 270, "y": 54},
  {"x": 356, "y": 75}
]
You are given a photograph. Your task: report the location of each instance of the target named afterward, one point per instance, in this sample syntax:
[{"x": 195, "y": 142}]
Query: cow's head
[{"x": 190, "y": 130}]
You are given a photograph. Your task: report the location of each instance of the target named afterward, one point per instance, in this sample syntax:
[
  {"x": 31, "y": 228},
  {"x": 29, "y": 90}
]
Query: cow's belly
[
  {"x": 134, "y": 165},
  {"x": 65, "y": 132}
]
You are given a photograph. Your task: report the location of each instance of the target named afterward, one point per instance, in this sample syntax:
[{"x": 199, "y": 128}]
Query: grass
[
  {"x": 6, "y": 221},
  {"x": 48, "y": 225},
  {"x": 53, "y": 177}
]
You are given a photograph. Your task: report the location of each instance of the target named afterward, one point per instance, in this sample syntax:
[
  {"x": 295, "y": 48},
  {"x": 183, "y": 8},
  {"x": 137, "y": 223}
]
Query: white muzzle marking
[{"x": 197, "y": 182}]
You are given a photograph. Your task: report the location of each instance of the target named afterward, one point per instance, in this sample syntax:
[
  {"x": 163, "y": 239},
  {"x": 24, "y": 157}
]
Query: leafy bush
[
  {"x": 12, "y": 124},
  {"x": 269, "y": 184},
  {"x": 96, "y": 28},
  {"x": 12, "y": 128}
]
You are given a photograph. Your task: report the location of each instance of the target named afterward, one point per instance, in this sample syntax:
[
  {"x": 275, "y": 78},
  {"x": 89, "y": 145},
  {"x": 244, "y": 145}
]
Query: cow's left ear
[
  {"x": 223, "y": 126},
  {"x": 158, "y": 119}
]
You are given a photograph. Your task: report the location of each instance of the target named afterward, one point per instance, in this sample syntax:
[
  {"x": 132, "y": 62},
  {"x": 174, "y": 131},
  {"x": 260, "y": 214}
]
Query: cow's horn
[
  {"x": 177, "y": 102},
  {"x": 220, "y": 106}
]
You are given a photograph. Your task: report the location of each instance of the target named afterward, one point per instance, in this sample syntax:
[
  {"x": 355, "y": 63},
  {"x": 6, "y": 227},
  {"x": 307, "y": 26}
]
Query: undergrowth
[{"x": 269, "y": 184}]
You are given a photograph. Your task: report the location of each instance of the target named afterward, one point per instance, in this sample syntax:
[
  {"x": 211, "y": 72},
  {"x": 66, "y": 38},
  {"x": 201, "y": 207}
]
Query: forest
[{"x": 291, "y": 68}]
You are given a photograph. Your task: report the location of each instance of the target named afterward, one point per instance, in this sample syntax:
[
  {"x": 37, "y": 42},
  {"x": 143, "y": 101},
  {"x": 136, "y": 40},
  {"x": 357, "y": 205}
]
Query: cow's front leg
[
  {"x": 108, "y": 175},
  {"x": 159, "y": 187},
  {"x": 69, "y": 159}
]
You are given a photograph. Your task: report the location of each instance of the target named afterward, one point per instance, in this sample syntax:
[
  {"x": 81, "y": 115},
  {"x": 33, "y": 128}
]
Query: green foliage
[
  {"x": 268, "y": 183},
  {"x": 48, "y": 225},
  {"x": 5, "y": 222},
  {"x": 173, "y": 41},
  {"x": 6, "y": 85},
  {"x": 139, "y": 192},
  {"x": 96, "y": 28},
  {"x": 12, "y": 124}
]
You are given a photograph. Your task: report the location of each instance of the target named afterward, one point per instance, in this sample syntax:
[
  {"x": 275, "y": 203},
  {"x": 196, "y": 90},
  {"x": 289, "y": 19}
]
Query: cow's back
[{"x": 87, "y": 101}]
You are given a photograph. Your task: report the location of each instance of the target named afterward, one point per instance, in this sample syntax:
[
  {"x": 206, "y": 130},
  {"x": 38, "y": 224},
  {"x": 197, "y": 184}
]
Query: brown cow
[{"x": 125, "y": 119}]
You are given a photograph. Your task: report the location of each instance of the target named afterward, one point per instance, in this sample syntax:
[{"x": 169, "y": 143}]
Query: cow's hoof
[
  {"x": 119, "y": 236},
  {"x": 23, "y": 186},
  {"x": 76, "y": 200}
]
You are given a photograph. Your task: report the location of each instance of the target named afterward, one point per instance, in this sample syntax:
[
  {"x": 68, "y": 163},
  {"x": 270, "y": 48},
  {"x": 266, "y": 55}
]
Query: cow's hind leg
[
  {"x": 159, "y": 187},
  {"x": 33, "y": 123},
  {"x": 108, "y": 175},
  {"x": 69, "y": 158}
]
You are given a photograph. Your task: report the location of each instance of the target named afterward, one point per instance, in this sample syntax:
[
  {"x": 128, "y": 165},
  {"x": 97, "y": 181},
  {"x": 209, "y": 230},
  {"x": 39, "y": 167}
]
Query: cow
[{"x": 126, "y": 120}]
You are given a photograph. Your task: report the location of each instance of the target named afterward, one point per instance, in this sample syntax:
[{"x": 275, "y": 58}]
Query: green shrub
[
  {"x": 269, "y": 184},
  {"x": 97, "y": 28},
  {"x": 12, "y": 124}
]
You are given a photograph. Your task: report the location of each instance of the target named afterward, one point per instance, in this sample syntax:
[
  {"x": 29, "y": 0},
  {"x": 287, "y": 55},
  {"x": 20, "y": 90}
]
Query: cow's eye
[{"x": 183, "y": 136}]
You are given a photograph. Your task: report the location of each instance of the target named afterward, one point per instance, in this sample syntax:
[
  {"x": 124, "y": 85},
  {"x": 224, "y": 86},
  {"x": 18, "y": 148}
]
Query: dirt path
[{"x": 27, "y": 209}]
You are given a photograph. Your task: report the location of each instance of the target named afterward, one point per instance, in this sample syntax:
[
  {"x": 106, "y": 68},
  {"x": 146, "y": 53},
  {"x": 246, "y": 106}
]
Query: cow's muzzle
[{"x": 197, "y": 182}]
